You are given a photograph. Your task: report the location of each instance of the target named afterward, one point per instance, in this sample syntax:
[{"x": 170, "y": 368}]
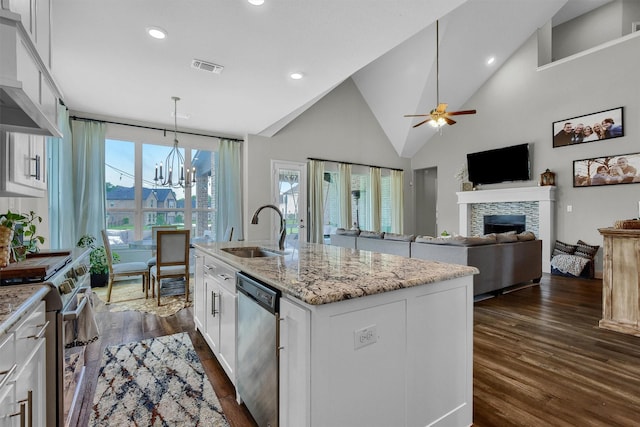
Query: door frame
[{"x": 301, "y": 168}]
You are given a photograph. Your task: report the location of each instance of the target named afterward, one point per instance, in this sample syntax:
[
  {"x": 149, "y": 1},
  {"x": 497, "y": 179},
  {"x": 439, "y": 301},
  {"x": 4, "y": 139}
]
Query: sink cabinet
[
  {"x": 215, "y": 309},
  {"x": 23, "y": 158}
]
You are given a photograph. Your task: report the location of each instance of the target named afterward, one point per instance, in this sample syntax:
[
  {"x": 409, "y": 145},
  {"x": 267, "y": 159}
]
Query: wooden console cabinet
[{"x": 621, "y": 280}]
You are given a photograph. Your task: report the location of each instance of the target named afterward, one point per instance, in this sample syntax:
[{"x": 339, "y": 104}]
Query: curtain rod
[
  {"x": 85, "y": 119},
  {"x": 352, "y": 163}
]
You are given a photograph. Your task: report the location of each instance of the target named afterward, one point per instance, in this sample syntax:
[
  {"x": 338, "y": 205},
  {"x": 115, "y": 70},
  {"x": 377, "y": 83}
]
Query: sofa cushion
[
  {"x": 400, "y": 237},
  {"x": 458, "y": 240},
  {"x": 526, "y": 235},
  {"x": 372, "y": 234},
  {"x": 345, "y": 232},
  {"x": 507, "y": 237}
]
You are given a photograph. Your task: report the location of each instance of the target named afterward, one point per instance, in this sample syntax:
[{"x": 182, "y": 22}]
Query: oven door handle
[{"x": 72, "y": 315}]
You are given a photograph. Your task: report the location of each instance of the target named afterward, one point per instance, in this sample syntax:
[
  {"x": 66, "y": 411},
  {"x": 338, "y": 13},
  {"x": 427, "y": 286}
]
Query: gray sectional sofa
[{"x": 504, "y": 260}]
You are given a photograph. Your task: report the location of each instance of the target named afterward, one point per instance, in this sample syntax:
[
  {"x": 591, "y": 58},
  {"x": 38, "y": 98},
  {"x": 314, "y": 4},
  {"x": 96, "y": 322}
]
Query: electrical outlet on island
[{"x": 365, "y": 336}]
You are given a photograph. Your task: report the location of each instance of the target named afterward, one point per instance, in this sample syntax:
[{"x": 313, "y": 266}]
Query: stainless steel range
[{"x": 67, "y": 272}]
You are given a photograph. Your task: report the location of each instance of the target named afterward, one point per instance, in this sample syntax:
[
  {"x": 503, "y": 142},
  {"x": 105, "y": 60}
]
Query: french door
[{"x": 289, "y": 193}]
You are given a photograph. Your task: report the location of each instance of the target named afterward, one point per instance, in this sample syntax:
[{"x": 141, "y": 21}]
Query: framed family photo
[
  {"x": 619, "y": 169},
  {"x": 592, "y": 127}
]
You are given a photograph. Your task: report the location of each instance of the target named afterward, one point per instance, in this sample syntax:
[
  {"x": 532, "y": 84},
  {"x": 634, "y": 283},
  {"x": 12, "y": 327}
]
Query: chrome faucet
[{"x": 283, "y": 231}]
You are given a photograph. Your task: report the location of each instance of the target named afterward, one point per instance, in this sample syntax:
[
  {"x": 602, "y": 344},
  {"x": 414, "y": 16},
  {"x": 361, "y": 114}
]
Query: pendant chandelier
[{"x": 172, "y": 173}]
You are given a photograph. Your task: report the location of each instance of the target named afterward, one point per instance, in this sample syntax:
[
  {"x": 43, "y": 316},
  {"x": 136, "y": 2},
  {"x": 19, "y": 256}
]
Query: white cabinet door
[
  {"x": 23, "y": 159},
  {"x": 212, "y": 315},
  {"x": 31, "y": 387},
  {"x": 199, "y": 295},
  {"x": 295, "y": 351},
  {"x": 227, "y": 349},
  {"x": 9, "y": 410}
]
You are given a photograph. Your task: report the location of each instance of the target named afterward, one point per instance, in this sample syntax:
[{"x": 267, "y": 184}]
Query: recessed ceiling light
[
  {"x": 296, "y": 76},
  {"x": 256, "y": 2},
  {"x": 491, "y": 60},
  {"x": 157, "y": 32}
]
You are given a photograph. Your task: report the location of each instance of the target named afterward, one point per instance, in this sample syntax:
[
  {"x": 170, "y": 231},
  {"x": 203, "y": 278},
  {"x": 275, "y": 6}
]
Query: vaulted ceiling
[{"x": 106, "y": 64}]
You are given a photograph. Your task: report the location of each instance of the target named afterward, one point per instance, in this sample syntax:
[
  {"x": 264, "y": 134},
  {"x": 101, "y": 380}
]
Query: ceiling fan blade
[
  {"x": 422, "y": 122},
  {"x": 458, "y": 113},
  {"x": 449, "y": 121},
  {"x": 416, "y": 115},
  {"x": 441, "y": 108}
]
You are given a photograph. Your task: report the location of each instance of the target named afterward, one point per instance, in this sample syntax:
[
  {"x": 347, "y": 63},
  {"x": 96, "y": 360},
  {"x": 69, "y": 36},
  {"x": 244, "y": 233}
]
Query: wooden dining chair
[
  {"x": 124, "y": 269},
  {"x": 154, "y": 241},
  {"x": 172, "y": 259}
]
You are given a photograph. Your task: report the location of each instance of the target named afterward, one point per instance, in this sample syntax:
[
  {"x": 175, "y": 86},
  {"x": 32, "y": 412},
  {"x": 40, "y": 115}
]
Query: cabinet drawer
[
  {"x": 223, "y": 273},
  {"x": 30, "y": 332}
]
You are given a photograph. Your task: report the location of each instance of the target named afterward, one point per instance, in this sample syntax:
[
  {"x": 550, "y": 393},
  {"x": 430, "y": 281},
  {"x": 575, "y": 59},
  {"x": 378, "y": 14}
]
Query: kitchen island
[{"x": 365, "y": 338}]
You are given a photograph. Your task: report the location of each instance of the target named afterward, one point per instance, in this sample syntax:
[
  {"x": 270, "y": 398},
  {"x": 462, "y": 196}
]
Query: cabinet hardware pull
[
  {"x": 37, "y": 174},
  {"x": 213, "y": 304},
  {"x": 22, "y": 414},
  {"x": 43, "y": 329},
  {"x": 29, "y": 402},
  {"x": 209, "y": 267},
  {"x": 7, "y": 374}
]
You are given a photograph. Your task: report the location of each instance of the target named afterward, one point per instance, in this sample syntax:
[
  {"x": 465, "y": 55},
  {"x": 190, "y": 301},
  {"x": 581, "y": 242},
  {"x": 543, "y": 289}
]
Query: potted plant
[
  {"x": 18, "y": 236},
  {"x": 99, "y": 268}
]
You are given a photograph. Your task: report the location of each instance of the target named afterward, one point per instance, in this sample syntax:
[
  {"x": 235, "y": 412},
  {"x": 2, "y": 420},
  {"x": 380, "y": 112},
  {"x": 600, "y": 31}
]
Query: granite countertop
[
  {"x": 321, "y": 274},
  {"x": 16, "y": 301}
]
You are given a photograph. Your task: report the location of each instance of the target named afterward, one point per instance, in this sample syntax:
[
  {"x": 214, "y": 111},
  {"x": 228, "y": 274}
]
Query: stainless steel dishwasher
[{"x": 257, "y": 349}]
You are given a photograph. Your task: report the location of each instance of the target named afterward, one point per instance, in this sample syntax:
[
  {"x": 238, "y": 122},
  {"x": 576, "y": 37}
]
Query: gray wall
[
  {"x": 338, "y": 127},
  {"x": 519, "y": 104}
]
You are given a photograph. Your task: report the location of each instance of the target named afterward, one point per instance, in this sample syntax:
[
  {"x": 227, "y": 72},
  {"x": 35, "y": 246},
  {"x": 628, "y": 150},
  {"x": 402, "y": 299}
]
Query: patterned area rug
[
  {"x": 154, "y": 382},
  {"x": 128, "y": 295}
]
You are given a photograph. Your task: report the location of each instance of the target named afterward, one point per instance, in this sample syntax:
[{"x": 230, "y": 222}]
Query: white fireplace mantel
[{"x": 544, "y": 195}]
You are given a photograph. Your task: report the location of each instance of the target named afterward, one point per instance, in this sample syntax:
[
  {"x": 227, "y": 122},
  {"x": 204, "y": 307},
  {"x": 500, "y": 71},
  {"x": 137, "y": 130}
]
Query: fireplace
[
  {"x": 537, "y": 204},
  {"x": 504, "y": 223}
]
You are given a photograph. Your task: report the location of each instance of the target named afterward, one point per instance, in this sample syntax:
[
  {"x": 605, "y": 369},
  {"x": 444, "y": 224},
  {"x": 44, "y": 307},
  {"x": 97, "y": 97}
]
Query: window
[{"x": 135, "y": 200}]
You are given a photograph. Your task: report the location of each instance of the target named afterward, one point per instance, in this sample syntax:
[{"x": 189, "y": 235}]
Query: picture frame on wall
[
  {"x": 603, "y": 125},
  {"x": 609, "y": 170}
]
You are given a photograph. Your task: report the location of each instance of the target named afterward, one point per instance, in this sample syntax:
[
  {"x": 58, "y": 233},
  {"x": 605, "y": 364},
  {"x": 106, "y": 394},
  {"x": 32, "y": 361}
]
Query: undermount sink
[{"x": 251, "y": 252}]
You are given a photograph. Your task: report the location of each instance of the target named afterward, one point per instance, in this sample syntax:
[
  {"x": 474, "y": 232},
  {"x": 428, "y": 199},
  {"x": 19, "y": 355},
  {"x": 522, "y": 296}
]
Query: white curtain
[
  {"x": 316, "y": 202},
  {"x": 344, "y": 194},
  {"x": 88, "y": 174},
  {"x": 397, "y": 201},
  {"x": 229, "y": 189},
  {"x": 62, "y": 220},
  {"x": 375, "y": 176}
]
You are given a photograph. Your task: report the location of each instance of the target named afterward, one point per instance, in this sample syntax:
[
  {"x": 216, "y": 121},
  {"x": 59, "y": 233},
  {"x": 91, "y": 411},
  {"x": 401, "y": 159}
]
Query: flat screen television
[{"x": 499, "y": 165}]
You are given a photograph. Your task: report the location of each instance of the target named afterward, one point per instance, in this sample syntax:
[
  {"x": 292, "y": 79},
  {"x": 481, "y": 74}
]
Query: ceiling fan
[{"x": 439, "y": 116}]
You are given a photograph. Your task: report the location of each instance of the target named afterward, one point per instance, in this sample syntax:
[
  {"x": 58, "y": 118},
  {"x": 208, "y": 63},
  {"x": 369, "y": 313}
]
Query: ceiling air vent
[{"x": 207, "y": 66}]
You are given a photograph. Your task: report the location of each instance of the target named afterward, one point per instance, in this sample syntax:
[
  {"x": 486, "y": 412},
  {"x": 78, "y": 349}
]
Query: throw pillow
[
  {"x": 585, "y": 250},
  {"x": 372, "y": 234},
  {"x": 344, "y": 232},
  {"x": 564, "y": 248},
  {"x": 400, "y": 237}
]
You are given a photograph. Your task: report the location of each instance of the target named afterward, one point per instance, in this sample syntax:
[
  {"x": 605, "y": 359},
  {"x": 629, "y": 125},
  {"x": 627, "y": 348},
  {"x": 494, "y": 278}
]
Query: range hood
[{"x": 28, "y": 93}]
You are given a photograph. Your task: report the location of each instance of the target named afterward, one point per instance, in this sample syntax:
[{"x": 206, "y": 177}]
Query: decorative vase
[
  {"x": 6, "y": 234},
  {"x": 99, "y": 280}
]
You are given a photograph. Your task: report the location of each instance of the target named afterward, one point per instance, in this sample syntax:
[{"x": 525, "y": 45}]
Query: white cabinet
[
  {"x": 401, "y": 358},
  {"x": 30, "y": 94},
  {"x": 215, "y": 309},
  {"x": 295, "y": 357},
  {"x": 23, "y": 364},
  {"x": 23, "y": 158}
]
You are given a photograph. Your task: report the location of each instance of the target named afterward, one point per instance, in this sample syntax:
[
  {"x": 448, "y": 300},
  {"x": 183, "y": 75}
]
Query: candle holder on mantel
[{"x": 547, "y": 178}]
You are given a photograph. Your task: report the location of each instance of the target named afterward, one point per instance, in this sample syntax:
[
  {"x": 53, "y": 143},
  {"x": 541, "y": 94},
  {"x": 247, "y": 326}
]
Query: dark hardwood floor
[{"x": 539, "y": 359}]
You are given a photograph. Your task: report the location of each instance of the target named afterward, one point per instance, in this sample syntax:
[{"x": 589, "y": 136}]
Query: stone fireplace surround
[{"x": 537, "y": 203}]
